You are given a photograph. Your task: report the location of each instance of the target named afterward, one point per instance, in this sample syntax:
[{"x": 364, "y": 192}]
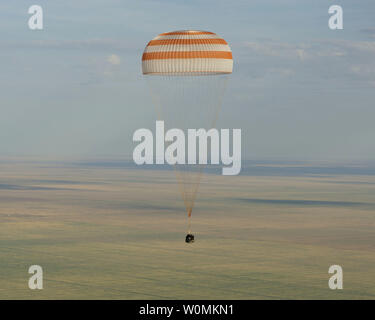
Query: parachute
[{"x": 187, "y": 73}]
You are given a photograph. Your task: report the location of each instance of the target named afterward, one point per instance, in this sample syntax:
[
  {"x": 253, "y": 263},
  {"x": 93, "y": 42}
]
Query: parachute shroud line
[{"x": 187, "y": 76}]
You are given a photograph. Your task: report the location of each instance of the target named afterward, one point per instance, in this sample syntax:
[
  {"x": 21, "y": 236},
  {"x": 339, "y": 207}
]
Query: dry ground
[{"x": 119, "y": 233}]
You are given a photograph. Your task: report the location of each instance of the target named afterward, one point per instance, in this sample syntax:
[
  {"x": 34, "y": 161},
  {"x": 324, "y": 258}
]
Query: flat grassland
[{"x": 118, "y": 233}]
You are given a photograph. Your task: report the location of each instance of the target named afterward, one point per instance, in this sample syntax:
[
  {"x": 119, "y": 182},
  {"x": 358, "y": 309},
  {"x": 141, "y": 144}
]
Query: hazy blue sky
[{"x": 298, "y": 91}]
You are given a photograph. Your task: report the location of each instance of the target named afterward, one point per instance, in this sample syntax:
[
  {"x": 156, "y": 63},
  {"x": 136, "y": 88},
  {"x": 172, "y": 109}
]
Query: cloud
[
  {"x": 288, "y": 51},
  {"x": 370, "y": 32},
  {"x": 95, "y": 44},
  {"x": 363, "y": 72},
  {"x": 114, "y": 59},
  {"x": 317, "y": 61},
  {"x": 366, "y": 47},
  {"x": 303, "y": 51},
  {"x": 277, "y": 49},
  {"x": 363, "y": 69},
  {"x": 282, "y": 71}
]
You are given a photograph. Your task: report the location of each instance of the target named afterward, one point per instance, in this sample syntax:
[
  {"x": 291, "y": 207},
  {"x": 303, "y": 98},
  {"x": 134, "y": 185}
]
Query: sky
[{"x": 298, "y": 91}]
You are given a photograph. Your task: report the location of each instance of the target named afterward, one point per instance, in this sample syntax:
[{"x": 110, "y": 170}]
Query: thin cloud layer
[{"x": 114, "y": 59}]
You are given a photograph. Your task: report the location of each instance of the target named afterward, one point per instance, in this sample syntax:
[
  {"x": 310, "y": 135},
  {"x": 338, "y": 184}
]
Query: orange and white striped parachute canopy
[{"x": 187, "y": 52}]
